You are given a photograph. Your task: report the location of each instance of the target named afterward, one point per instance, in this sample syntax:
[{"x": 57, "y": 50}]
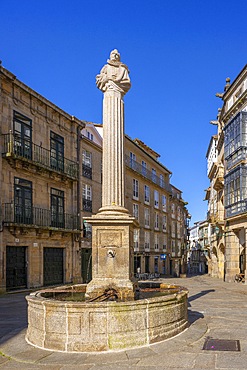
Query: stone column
[
  {"x": 113, "y": 184},
  {"x": 231, "y": 256},
  {"x": 112, "y": 226}
]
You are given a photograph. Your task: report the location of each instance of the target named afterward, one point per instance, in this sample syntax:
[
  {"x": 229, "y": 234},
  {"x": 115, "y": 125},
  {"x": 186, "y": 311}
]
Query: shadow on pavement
[
  {"x": 193, "y": 316},
  {"x": 202, "y": 293},
  {"x": 13, "y": 315}
]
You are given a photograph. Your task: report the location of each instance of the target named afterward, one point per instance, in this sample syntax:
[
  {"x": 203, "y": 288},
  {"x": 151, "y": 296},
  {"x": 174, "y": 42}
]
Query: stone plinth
[
  {"x": 104, "y": 326},
  {"x": 112, "y": 255}
]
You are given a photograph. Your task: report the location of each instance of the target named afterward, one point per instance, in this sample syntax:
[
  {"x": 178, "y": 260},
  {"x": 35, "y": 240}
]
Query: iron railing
[
  {"x": 86, "y": 171},
  {"x": 15, "y": 146},
  {"x": 137, "y": 167},
  {"x": 87, "y": 205},
  {"x": 35, "y": 216}
]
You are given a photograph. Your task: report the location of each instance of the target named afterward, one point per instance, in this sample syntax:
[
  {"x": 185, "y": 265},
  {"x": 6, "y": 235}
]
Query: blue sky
[{"x": 179, "y": 54}]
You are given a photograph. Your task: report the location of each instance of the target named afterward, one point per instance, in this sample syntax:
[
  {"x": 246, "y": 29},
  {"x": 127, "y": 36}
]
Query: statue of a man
[{"x": 114, "y": 71}]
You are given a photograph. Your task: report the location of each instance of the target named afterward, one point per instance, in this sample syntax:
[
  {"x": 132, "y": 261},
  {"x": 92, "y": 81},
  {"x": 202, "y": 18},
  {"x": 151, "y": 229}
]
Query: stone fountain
[{"x": 111, "y": 317}]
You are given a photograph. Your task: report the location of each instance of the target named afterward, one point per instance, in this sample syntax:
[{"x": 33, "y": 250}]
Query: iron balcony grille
[
  {"x": 86, "y": 171},
  {"x": 34, "y": 216},
  {"x": 137, "y": 167},
  {"x": 15, "y": 146},
  {"x": 87, "y": 205}
]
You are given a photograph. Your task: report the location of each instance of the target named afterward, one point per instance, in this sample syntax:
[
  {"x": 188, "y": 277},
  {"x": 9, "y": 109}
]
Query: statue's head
[{"x": 115, "y": 55}]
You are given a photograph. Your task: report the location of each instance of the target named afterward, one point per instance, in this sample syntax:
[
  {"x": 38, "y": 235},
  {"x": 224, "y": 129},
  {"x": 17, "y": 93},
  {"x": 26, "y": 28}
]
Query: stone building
[
  {"x": 197, "y": 255},
  {"x": 227, "y": 195},
  {"x": 40, "y": 189},
  {"x": 51, "y": 177},
  {"x": 160, "y": 242}
]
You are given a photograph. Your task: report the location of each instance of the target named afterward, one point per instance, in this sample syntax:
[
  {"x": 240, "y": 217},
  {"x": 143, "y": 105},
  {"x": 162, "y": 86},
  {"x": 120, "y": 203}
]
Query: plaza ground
[{"x": 217, "y": 310}]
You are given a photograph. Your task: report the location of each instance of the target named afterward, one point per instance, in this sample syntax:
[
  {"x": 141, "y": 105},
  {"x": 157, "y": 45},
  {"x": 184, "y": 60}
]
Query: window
[
  {"x": 173, "y": 210},
  {"x": 156, "y": 242},
  {"x": 179, "y": 214},
  {"x": 136, "y": 211},
  {"x": 136, "y": 240},
  {"x": 156, "y": 199},
  {"x": 156, "y": 221},
  {"x": 236, "y": 191},
  {"x": 23, "y": 201},
  {"x": 57, "y": 152},
  {"x": 87, "y": 197},
  {"x": 164, "y": 243},
  {"x": 87, "y": 230},
  {"x": 146, "y": 217},
  {"x": 178, "y": 230},
  {"x": 135, "y": 189},
  {"x": 163, "y": 203},
  {"x": 146, "y": 194},
  {"x": 173, "y": 248},
  {"x": 22, "y": 135},
  {"x": 132, "y": 159},
  {"x": 89, "y": 135},
  {"x": 57, "y": 208},
  {"x": 147, "y": 241},
  {"x": 173, "y": 229},
  {"x": 162, "y": 181},
  {"x": 144, "y": 168},
  {"x": 87, "y": 164},
  {"x": 153, "y": 175},
  {"x": 164, "y": 224}
]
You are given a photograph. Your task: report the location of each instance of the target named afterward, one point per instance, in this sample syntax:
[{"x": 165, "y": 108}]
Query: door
[
  {"x": 86, "y": 264},
  {"x": 57, "y": 208},
  {"x": 16, "y": 268},
  {"x": 53, "y": 266},
  {"x": 23, "y": 201},
  {"x": 57, "y": 152},
  {"x": 22, "y": 136}
]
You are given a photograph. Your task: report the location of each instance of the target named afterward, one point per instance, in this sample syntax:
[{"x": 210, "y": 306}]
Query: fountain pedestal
[{"x": 112, "y": 255}]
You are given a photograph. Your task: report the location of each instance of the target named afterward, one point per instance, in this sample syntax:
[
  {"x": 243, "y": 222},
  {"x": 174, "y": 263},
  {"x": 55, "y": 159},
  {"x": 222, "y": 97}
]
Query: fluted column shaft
[{"x": 113, "y": 184}]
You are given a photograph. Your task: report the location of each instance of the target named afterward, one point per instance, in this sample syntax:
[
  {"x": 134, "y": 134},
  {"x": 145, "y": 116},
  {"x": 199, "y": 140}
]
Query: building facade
[
  {"x": 197, "y": 257},
  {"x": 229, "y": 222},
  {"x": 40, "y": 189}
]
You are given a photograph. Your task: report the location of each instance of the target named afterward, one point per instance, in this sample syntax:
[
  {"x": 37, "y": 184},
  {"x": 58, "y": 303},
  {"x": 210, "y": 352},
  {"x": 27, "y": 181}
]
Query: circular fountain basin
[{"x": 79, "y": 326}]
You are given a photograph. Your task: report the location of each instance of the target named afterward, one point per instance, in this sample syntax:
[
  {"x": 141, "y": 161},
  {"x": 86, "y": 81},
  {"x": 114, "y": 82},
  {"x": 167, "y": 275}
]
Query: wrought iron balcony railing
[
  {"x": 87, "y": 205},
  {"x": 137, "y": 167},
  {"x": 17, "y": 147},
  {"x": 86, "y": 171},
  {"x": 43, "y": 218}
]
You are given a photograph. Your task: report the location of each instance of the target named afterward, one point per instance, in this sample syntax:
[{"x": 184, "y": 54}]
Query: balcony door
[
  {"x": 57, "y": 152},
  {"x": 57, "y": 208},
  {"x": 23, "y": 201},
  {"x": 22, "y": 136}
]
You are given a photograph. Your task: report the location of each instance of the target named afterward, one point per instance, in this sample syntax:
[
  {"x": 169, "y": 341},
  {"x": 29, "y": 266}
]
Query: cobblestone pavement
[{"x": 217, "y": 310}]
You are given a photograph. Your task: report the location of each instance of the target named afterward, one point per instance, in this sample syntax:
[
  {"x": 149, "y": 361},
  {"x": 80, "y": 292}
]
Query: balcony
[
  {"x": 137, "y": 167},
  {"x": 86, "y": 171},
  {"x": 219, "y": 178},
  {"x": 237, "y": 208},
  {"x": 39, "y": 218},
  {"x": 16, "y": 148},
  {"x": 87, "y": 205}
]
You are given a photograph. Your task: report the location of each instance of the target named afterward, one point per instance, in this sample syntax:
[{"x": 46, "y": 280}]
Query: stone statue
[{"x": 114, "y": 71}]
